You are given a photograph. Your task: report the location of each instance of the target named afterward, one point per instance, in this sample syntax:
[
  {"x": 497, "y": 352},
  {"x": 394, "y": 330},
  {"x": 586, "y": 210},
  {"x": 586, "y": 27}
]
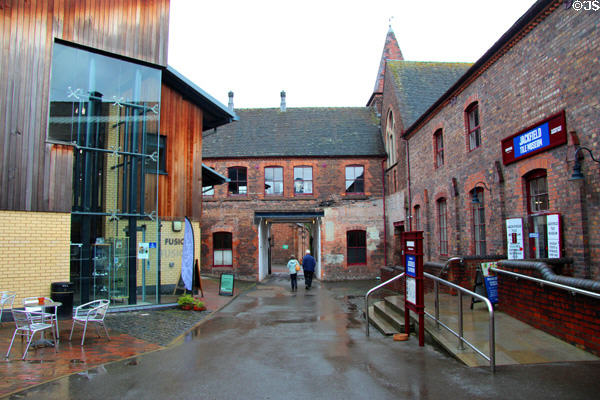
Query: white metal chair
[
  {"x": 32, "y": 304},
  {"x": 6, "y": 301},
  {"x": 25, "y": 326},
  {"x": 92, "y": 312}
]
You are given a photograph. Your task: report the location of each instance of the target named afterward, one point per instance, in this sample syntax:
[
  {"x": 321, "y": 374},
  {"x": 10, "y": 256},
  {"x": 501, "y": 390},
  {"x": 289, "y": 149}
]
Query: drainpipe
[{"x": 384, "y": 219}]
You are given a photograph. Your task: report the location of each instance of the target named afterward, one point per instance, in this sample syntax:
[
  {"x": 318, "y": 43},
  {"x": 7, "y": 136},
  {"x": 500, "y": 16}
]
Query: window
[
  {"x": 478, "y": 211},
  {"x": 439, "y": 148},
  {"x": 443, "y": 226},
  {"x": 238, "y": 183},
  {"x": 303, "y": 181},
  {"x": 274, "y": 180},
  {"x": 537, "y": 203},
  {"x": 417, "y": 217},
  {"x": 355, "y": 179},
  {"x": 472, "y": 120},
  {"x": 158, "y": 144},
  {"x": 357, "y": 247},
  {"x": 390, "y": 139},
  {"x": 222, "y": 254}
]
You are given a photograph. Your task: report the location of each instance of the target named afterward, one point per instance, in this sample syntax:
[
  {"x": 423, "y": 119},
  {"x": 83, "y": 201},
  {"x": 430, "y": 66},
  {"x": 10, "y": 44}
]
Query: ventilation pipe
[
  {"x": 230, "y": 105},
  {"x": 282, "y": 106}
]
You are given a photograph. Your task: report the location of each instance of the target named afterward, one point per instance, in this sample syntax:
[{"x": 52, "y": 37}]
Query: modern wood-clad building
[{"x": 101, "y": 143}]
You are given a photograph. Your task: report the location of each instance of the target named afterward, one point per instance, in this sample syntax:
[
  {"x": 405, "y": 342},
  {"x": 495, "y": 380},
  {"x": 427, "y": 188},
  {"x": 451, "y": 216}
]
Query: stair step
[
  {"x": 380, "y": 323},
  {"x": 390, "y": 315},
  {"x": 396, "y": 303}
]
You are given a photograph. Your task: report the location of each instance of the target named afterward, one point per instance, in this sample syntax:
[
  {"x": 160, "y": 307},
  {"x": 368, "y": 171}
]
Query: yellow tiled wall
[{"x": 34, "y": 252}]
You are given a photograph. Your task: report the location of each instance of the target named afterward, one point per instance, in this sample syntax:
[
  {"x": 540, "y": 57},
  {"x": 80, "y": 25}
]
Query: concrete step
[
  {"x": 390, "y": 315},
  {"x": 395, "y": 303},
  {"x": 380, "y": 323}
]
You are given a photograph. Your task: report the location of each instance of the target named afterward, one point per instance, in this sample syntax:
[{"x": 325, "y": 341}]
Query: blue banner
[
  {"x": 491, "y": 287},
  {"x": 187, "y": 255}
]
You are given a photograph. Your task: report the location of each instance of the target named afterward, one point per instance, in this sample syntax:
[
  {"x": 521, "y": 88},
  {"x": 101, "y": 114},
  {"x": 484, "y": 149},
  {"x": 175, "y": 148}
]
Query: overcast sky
[{"x": 325, "y": 52}]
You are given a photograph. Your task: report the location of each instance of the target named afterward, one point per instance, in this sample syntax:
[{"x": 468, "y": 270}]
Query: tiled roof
[
  {"x": 297, "y": 132},
  {"x": 391, "y": 51},
  {"x": 420, "y": 84}
]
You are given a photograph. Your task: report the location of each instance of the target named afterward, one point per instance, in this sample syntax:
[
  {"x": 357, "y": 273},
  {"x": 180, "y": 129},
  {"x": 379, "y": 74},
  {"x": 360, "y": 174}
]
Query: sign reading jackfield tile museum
[{"x": 542, "y": 136}]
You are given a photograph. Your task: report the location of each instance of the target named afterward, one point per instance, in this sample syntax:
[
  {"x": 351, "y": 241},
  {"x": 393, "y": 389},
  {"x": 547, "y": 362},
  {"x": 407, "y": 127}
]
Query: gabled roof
[
  {"x": 297, "y": 132},
  {"x": 419, "y": 84},
  {"x": 391, "y": 51}
]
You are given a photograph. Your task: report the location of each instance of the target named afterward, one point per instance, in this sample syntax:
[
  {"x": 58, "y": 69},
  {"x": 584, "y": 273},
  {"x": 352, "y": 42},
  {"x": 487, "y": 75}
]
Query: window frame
[
  {"x": 311, "y": 180},
  {"x": 274, "y": 181},
  {"x": 478, "y": 222},
  {"x": 442, "y": 225},
  {"x": 236, "y": 181},
  {"x": 346, "y": 180},
  {"x": 215, "y": 248},
  {"x": 473, "y": 108},
  {"x": 363, "y": 233},
  {"x": 390, "y": 138},
  {"x": 438, "y": 138},
  {"x": 162, "y": 152}
]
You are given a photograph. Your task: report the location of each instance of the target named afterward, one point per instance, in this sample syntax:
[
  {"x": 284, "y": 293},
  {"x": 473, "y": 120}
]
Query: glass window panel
[
  {"x": 278, "y": 174},
  {"x": 269, "y": 174},
  {"x": 227, "y": 257},
  {"x": 308, "y": 187}
]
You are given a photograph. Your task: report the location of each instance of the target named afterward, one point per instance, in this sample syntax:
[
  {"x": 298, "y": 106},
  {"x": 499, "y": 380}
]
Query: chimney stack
[
  {"x": 230, "y": 105},
  {"x": 282, "y": 101}
]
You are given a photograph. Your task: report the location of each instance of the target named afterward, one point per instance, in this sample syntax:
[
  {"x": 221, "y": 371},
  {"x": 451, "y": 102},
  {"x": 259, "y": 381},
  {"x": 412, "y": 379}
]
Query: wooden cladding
[
  {"x": 132, "y": 28},
  {"x": 180, "y": 191}
]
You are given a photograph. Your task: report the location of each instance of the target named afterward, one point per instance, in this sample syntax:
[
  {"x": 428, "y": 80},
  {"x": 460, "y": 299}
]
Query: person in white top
[{"x": 293, "y": 267}]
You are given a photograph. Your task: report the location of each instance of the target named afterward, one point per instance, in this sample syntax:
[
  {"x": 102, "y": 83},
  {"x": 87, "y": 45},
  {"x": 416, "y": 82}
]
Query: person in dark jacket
[{"x": 308, "y": 265}]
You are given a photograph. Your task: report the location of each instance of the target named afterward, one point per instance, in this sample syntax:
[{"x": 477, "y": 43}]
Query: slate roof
[
  {"x": 391, "y": 51},
  {"x": 420, "y": 84},
  {"x": 296, "y": 132}
]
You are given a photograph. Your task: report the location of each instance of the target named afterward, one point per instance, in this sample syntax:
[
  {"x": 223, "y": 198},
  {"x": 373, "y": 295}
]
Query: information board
[
  {"x": 411, "y": 290},
  {"x": 553, "y": 225},
  {"x": 411, "y": 262},
  {"x": 226, "y": 285},
  {"x": 514, "y": 238}
]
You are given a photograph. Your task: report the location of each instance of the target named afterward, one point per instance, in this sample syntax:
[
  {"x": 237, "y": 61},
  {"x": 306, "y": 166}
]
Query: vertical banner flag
[{"x": 187, "y": 255}]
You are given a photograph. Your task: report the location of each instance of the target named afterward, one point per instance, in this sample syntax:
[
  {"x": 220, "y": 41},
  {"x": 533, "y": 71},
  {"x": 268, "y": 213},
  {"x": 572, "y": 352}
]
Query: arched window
[
  {"x": 472, "y": 125},
  {"x": 417, "y": 218},
  {"x": 390, "y": 139},
  {"x": 222, "y": 252},
  {"x": 538, "y": 205},
  {"x": 438, "y": 140},
  {"x": 357, "y": 247},
  {"x": 478, "y": 213}
]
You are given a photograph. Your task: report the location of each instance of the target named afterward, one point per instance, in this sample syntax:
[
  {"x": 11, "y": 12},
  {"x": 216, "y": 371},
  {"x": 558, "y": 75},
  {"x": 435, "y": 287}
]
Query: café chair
[
  {"x": 6, "y": 301},
  {"x": 32, "y": 304},
  {"x": 25, "y": 325},
  {"x": 92, "y": 312}
]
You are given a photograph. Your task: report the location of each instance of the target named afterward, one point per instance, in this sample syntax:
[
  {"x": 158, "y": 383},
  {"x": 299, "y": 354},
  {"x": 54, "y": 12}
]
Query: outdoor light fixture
[
  {"x": 577, "y": 175},
  {"x": 475, "y": 198}
]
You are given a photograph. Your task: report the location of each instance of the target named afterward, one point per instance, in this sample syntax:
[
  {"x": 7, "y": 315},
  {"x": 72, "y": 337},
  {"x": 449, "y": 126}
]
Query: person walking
[
  {"x": 293, "y": 266},
  {"x": 308, "y": 265}
]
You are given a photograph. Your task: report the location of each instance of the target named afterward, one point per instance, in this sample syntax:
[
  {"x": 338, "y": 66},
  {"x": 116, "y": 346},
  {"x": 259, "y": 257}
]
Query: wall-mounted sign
[
  {"x": 143, "y": 251},
  {"x": 537, "y": 138},
  {"x": 285, "y": 246},
  {"x": 514, "y": 238},
  {"x": 553, "y": 226}
]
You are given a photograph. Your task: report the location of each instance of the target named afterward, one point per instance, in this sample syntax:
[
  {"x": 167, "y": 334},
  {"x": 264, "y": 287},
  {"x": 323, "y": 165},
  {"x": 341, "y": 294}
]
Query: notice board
[{"x": 226, "y": 284}]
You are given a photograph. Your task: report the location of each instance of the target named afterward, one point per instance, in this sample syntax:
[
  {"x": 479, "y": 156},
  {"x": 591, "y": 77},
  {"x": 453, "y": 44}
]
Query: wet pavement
[{"x": 270, "y": 343}]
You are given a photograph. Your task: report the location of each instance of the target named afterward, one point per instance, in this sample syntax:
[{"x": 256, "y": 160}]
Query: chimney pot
[
  {"x": 283, "y": 101},
  {"x": 230, "y": 105}
]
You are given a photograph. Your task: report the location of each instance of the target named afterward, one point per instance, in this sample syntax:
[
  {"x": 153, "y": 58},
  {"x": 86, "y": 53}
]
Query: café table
[{"x": 47, "y": 304}]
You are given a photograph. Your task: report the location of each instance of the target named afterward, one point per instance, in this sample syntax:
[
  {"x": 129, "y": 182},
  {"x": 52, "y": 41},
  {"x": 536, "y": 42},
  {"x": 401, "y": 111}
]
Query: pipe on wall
[{"x": 549, "y": 275}]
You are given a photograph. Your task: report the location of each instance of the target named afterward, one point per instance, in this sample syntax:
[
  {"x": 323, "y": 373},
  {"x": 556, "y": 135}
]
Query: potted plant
[
  {"x": 199, "y": 305},
  {"x": 186, "y": 302}
]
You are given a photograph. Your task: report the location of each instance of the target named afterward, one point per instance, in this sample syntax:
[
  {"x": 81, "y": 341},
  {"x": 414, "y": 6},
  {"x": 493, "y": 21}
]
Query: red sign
[{"x": 537, "y": 138}]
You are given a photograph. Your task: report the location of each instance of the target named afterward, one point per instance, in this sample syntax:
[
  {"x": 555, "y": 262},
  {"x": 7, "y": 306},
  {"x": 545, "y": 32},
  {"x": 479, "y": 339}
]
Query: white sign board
[
  {"x": 553, "y": 224},
  {"x": 411, "y": 290},
  {"x": 514, "y": 238},
  {"x": 143, "y": 251}
]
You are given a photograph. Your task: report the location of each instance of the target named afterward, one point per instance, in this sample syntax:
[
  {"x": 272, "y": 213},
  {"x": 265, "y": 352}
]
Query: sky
[{"x": 322, "y": 53}]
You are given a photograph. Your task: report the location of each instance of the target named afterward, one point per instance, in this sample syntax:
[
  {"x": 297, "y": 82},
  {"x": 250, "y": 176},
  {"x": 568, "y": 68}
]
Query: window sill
[{"x": 356, "y": 196}]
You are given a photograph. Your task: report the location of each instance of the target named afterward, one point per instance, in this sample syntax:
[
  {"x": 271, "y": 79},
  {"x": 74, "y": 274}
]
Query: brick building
[
  {"x": 300, "y": 178},
  {"x": 490, "y": 161}
]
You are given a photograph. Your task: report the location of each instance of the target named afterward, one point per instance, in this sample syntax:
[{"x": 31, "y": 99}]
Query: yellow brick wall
[{"x": 34, "y": 252}]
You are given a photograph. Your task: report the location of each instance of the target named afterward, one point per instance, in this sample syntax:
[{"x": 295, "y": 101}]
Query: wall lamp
[
  {"x": 577, "y": 175},
  {"x": 475, "y": 198}
]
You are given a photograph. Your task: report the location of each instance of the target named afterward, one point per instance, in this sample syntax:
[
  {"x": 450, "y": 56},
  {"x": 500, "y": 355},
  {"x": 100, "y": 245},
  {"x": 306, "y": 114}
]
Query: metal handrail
[
  {"x": 492, "y": 335},
  {"x": 373, "y": 290},
  {"x": 549, "y": 283}
]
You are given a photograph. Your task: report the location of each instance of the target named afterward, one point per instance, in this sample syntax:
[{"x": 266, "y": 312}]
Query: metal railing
[
  {"x": 373, "y": 290},
  {"x": 461, "y": 339},
  {"x": 543, "y": 282}
]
